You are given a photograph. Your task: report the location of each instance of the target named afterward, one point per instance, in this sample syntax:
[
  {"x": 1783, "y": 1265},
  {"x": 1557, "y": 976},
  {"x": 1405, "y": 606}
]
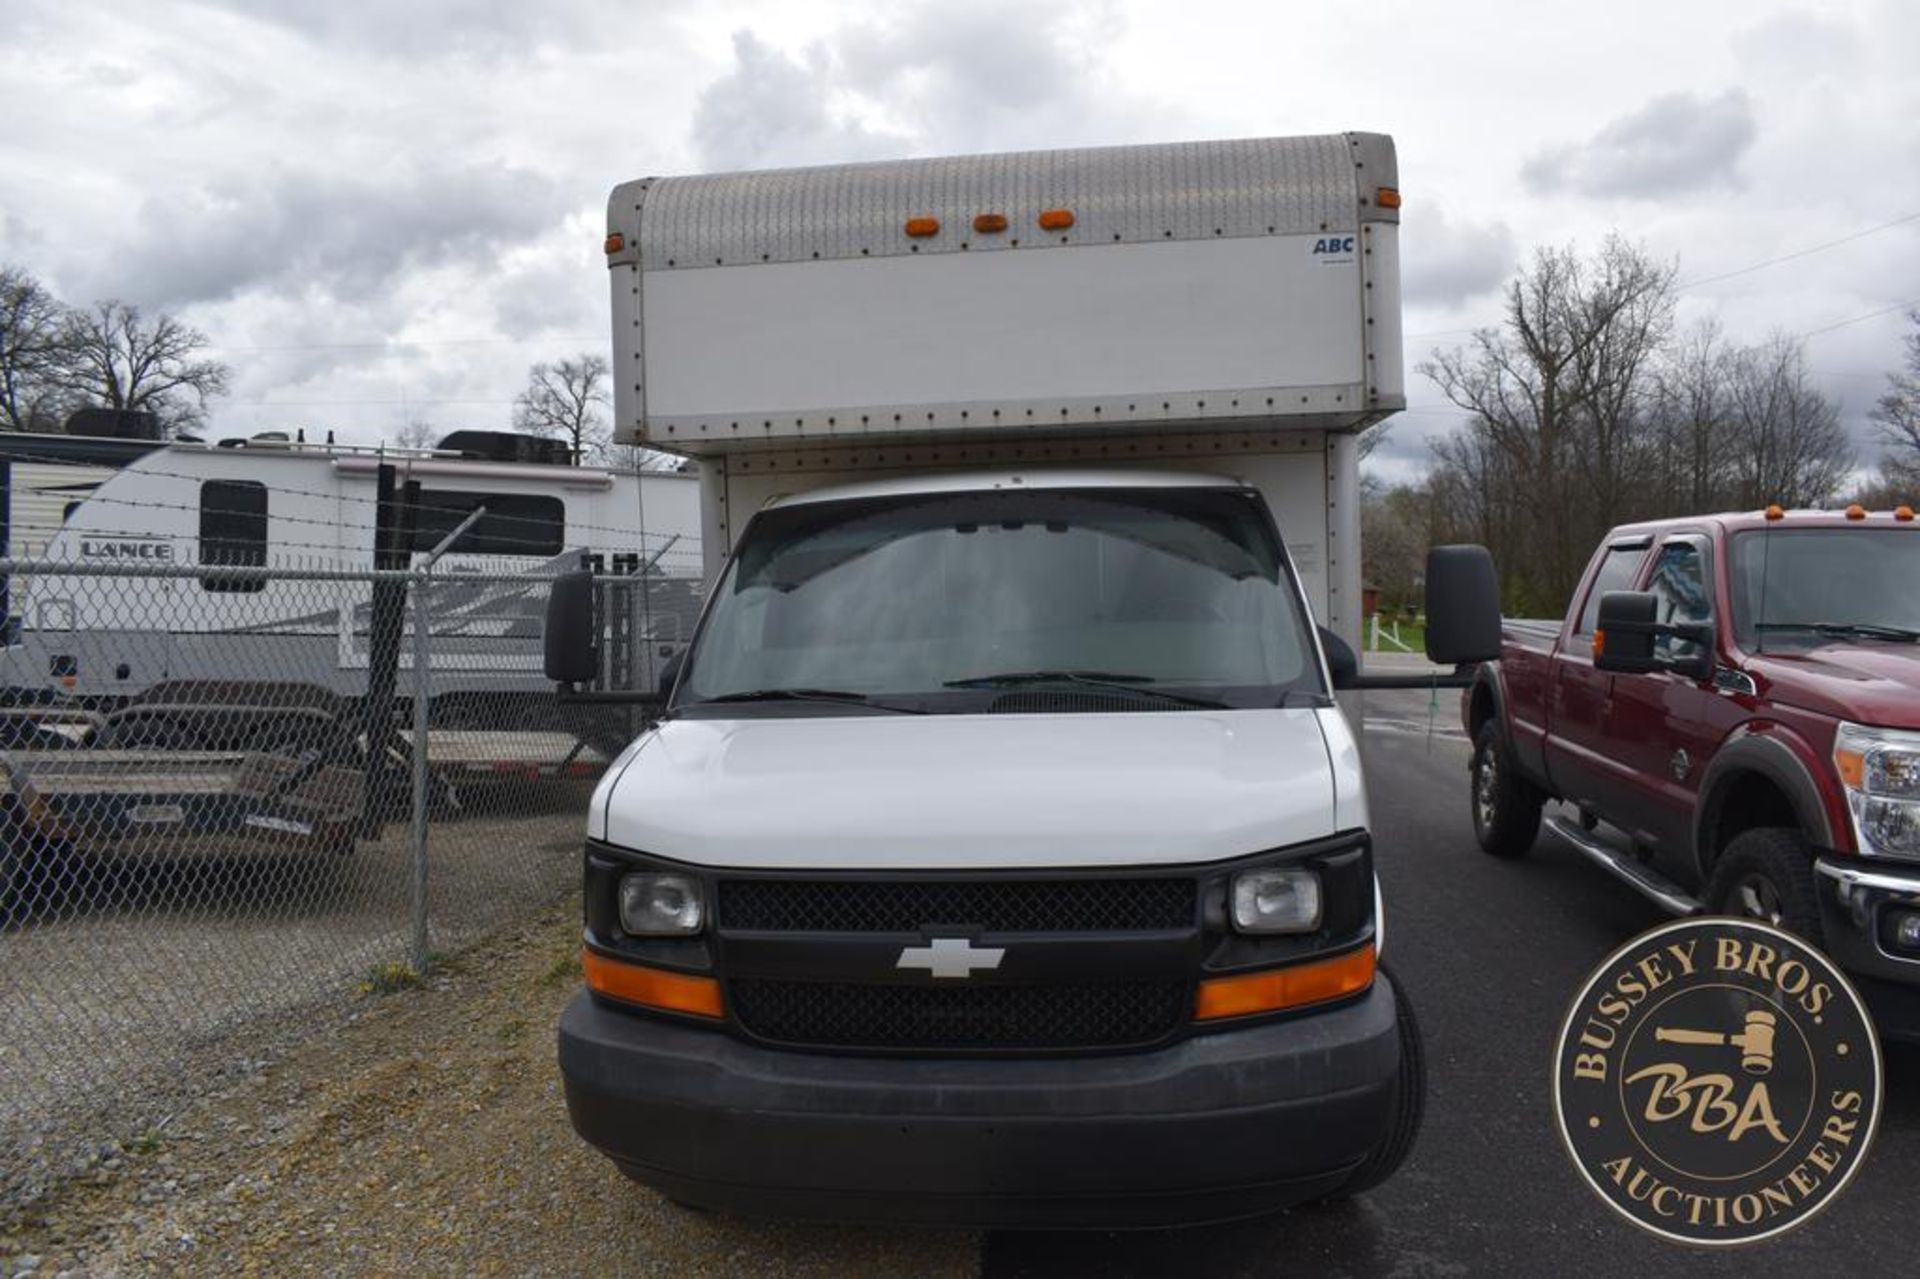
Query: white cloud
[{"x": 1675, "y": 144}]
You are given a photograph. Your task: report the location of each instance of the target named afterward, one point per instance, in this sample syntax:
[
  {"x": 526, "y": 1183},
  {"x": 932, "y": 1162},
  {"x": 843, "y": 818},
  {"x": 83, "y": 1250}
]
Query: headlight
[
  {"x": 1880, "y": 767},
  {"x": 660, "y": 904},
  {"x": 1276, "y": 900}
]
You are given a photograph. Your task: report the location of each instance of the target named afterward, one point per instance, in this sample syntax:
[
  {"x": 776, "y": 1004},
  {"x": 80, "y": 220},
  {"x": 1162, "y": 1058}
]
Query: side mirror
[
  {"x": 571, "y": 655},
  {"x": 1463, "y": 606},
  {"x": 670, "y": 673},
  {"x": 1625, "y": 635},
  {"x": 1341, "y": 662}
]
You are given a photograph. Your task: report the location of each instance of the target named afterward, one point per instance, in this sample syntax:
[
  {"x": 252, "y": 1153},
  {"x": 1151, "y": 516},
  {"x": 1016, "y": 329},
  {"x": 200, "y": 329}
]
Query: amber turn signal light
[
  {"x": 651, "y": 987},
  {"x": 1295, "y": 986},
  {"x": 1056, "y": 219},
  {"x": 616, "y": 242},
  {"x": 921, "y": 228}
]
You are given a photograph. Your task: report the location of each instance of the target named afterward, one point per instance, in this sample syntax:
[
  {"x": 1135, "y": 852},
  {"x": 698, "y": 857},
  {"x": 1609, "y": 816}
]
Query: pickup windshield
[
  {"x": 1800, "y": 588},
  {"x": 1158, "y": 599}
]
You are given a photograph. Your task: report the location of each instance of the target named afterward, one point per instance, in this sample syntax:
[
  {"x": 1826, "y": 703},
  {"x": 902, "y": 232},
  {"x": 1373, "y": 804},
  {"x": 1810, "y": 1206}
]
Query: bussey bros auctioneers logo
[{"x": 1717, "y": 1081}]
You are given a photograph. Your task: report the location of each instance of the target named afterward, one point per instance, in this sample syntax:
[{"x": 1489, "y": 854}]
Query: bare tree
[
  {"x": 32, "y": 350},
  {"x": 117, "y": 359},
  {"x": 416, "y": 433},
  {"x": 564, "y": 400},
  {"x": 1898, "y": 412},
  {"x": 1558, "y": 398},
  {"x": 1693, "y": 412},
  {"x": 1789, "y": 445}
]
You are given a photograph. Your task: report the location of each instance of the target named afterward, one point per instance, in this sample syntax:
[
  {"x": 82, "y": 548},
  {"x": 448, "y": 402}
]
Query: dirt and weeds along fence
[{"x": 235, "y": 799}]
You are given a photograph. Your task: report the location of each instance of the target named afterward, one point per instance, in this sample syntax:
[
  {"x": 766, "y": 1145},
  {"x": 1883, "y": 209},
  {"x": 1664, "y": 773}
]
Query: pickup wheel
[
  {"x": 1506, "y": 807},
  {"x": 1409, "y": 1105},
  {"x": 1767, "y": 874}
]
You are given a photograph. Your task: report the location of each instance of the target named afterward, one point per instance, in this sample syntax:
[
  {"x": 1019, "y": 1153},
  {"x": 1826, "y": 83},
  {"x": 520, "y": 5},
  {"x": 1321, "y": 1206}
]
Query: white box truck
[{"x": 1000, "y": 855}]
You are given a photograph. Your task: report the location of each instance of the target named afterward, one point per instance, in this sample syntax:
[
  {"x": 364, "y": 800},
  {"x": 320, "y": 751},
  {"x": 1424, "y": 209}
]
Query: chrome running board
[{"x": 1649, "y": 883}]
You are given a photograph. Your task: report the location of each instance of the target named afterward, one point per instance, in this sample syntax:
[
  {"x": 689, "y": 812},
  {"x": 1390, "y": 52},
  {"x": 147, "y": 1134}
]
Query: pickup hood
[
  {"x": 1867, "y": 683},
  {"x": 953, "y": 791}
]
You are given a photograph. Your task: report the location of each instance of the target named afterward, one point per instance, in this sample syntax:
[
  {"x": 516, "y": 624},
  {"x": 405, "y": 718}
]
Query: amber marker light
[
  {"x": 921, "y": 228},
  {"x": 1056, "y": 219},
  {"x": 1599, "y": 643},
  {"x": 616, "y": 242},
  {"x": 1774, "y": 512},
  {"x": 1856, "y": 512},
  {"x": 1274, "y": 989},
  {"x": 990, "y": 223},
  {"x": 651, "y": 987},
  {"x": 1903, "y": 513},
  {"x": 1387, "y": 198}
]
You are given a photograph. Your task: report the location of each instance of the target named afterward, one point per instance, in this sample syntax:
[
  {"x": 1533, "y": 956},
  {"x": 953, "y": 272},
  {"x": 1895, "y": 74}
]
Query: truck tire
[
  {"x": 1767, "y": 874},
  {"x": 1506, "y": 807},
  {"x": 1409, "y": 1105}
]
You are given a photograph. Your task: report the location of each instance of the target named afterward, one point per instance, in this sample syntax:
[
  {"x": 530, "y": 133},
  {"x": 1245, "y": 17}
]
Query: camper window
[
  {"x": 233, "y": 531},
  {"x": 514, "y": 524}
]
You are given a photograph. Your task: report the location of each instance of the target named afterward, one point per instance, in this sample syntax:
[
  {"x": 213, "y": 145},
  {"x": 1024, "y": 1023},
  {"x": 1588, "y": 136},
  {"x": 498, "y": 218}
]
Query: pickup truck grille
[
  {"x": 964, "y": 1018},
  {"x": 996, "y": 905}
]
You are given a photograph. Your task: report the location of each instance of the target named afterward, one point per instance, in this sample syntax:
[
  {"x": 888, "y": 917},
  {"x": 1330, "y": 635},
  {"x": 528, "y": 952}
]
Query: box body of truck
[{"x": 966, "y": 875}]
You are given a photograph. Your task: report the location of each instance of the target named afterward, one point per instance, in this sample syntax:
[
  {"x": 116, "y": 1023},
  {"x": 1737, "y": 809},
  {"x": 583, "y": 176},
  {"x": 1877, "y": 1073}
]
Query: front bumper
[
  {"x": 1227, "y": 1124},
  {"x": 1853, "y": 899}
]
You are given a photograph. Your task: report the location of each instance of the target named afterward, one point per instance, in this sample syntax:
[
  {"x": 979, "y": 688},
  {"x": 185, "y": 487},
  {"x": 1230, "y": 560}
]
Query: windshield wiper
[
  {"x": 840, "y": 697},
  {"x": 1864, "y": 630},
  {"x": 1120, "y": 683}
]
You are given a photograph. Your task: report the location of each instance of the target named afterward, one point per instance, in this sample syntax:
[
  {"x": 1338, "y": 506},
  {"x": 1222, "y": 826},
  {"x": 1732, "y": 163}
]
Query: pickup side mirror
[
  {"x": 571, "y": 656},
  {"x": 1624, "y": 637},
  {"x": 1463, "y": 606}
]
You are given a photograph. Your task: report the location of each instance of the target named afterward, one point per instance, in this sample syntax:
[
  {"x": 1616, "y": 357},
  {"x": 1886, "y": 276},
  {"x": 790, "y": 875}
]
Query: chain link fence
[{"x": 233, "y": 797}]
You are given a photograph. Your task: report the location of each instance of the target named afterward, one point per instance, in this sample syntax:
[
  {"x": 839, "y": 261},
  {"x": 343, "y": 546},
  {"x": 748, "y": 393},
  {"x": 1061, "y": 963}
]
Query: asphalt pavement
[{"x": 1491, "y": 953}]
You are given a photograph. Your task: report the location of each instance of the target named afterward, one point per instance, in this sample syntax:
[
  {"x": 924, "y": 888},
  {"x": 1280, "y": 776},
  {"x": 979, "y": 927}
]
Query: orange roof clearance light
[
  {"x": 921, "y": 228},
  {"x": 1387, "y": 198},
  {"x": 1295, "y": 986},
  {"x": 1903, "y": 513},
  {"x": 615, "y": 242},
  {"x": 1856, "y": 512},
  {"x": 651, "y": 987},
  {"x": 1055, "y": 219},
  {"x": 990, "y": 223},
  {"x": 1776, "y": 512}
]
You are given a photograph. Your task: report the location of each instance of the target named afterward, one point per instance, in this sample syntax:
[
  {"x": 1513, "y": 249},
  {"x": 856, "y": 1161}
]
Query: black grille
[
  {"x": 997, "y": 905},
  {"x": 1003, "y": 1018}
]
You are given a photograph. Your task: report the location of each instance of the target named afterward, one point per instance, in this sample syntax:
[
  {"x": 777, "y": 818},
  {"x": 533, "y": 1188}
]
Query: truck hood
[
  {"x": 978, "y": 791},
  {"x": 1868, "y": 683}
]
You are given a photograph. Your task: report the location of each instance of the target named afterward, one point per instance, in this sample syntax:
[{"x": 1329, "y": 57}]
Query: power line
[{"x": 1800, "y": 253}]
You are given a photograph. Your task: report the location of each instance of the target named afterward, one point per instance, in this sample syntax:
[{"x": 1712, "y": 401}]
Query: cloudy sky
[{"x": 381, "y": 210}]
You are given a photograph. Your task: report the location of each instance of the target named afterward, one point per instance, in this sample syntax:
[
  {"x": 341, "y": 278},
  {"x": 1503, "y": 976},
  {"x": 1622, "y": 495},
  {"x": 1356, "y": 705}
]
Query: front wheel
[
  {"x": 1767, "y": 874},
  {"x": 1409, "y": 1104},
  {"x": 1506, "y": 807}
]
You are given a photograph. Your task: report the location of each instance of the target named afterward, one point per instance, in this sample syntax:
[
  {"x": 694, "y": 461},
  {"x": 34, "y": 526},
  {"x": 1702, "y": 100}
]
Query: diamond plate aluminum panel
[{"x": 1174, "y": 191}]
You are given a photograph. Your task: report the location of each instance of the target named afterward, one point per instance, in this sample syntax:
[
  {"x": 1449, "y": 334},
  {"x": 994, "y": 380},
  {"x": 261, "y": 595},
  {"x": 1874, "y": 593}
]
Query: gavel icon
[{"x": 1755, "y": 1042}]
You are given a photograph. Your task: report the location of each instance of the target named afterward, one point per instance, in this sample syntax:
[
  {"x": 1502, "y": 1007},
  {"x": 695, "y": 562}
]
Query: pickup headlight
[
  {"x": 1880, "y": 768},
  {"x": 660, "y": 904},
  {"x": 1276, "y": 899}
]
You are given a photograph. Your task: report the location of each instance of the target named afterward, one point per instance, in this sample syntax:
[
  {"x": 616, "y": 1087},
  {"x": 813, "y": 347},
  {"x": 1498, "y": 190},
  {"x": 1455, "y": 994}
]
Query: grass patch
[
  {"x": 563, "y": 971},
  {"x": 389, "y": 978}
]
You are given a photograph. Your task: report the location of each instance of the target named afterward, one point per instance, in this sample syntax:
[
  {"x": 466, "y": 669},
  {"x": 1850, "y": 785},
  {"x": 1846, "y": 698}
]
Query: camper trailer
[{"x": 110, "y": 619}]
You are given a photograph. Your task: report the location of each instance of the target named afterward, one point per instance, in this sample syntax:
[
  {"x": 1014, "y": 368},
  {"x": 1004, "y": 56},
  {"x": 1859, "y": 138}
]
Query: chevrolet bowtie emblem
[{"x": 951, "y": 957}]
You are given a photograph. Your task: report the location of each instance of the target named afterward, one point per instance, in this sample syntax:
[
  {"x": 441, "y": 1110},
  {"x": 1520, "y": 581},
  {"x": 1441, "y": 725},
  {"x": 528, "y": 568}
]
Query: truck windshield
[
  {"x": 1137, "y": 599},
  {"x": 1795, "y": 588}
]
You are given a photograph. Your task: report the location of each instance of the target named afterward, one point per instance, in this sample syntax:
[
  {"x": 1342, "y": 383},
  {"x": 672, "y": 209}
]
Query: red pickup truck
[{"x": 1731, "y": 712}]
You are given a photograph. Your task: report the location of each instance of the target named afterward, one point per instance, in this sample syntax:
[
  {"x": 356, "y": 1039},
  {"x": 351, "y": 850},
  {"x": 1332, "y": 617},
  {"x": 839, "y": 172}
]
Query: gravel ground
[
  {"x": 127, "y": 985},
  {"x": 427, "y": 1135}
]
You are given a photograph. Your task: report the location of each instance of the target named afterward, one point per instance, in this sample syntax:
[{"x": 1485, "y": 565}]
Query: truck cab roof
[{"x": 987, "y": 481}]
